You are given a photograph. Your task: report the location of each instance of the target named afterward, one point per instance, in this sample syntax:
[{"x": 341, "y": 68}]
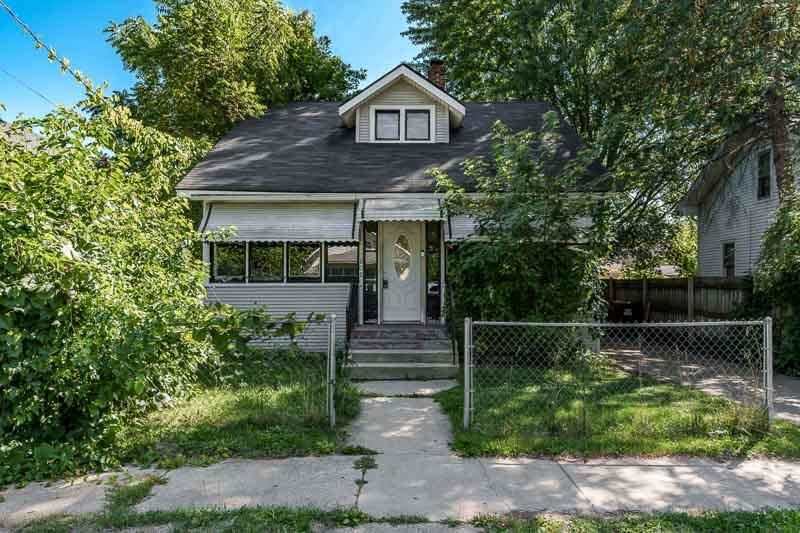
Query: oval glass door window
[{"x": 401, "y": 257}]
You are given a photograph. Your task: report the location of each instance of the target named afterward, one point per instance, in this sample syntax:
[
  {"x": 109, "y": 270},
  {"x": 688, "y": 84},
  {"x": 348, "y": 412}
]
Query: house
[
  {"x": 734, "y": 201},
  {"x": 336, "y": 212}
]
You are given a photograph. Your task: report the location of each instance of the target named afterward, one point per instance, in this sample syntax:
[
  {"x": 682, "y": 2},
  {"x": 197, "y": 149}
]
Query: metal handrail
[{"x": 351, "y": 315}]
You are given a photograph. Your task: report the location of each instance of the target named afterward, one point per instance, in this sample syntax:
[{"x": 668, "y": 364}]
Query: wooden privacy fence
[{"x": 674, "y": 299}]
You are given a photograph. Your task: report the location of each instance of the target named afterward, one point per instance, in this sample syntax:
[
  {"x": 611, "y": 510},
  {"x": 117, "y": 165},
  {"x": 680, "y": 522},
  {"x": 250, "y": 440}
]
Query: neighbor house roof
[
  {"x": 305, "y": 148},
  {"x": 724, "y": 160}
]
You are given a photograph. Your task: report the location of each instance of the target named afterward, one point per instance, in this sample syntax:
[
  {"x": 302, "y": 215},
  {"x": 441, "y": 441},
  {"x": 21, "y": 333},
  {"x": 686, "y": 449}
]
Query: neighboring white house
[
  {"x": 734, "y": 201},
  {"x": 334, "y": 206}
]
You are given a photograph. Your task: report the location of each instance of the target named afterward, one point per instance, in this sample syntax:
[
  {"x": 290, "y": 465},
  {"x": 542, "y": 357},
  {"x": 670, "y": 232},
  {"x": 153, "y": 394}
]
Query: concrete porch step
[
  {"x": 367, "y": 371},
  {"x": 401, "y": 355},
  {"x": 364, "y": 345}
]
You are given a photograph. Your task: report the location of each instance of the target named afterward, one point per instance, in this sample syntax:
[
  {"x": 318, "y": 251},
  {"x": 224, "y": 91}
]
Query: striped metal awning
[
  {"x": 411, "y": 209},
  {"x": 460, "y": 227},
  {"x": 311, "y": 222}
]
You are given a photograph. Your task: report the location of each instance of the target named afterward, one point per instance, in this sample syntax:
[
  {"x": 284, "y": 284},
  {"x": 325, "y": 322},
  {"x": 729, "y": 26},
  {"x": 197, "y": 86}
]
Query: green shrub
[
  {"x": 777, "y": 283},
  {"x": 531, "y": 261},
  {"x": 101, "y": 299}
]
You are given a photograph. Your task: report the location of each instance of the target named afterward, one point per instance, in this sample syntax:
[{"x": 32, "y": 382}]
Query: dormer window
[
  {"x": 387, "y": 125},
  {"x": 418, "y": 125},
  {"x": 402, "y": 123}
]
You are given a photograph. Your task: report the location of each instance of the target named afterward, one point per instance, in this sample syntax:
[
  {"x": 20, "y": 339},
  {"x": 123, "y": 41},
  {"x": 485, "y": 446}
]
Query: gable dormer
[{"x": 403, "y": 106}]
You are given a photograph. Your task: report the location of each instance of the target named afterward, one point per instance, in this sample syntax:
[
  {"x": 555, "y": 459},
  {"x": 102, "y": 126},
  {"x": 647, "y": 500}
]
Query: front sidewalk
[{"x": 416, "y": 474}]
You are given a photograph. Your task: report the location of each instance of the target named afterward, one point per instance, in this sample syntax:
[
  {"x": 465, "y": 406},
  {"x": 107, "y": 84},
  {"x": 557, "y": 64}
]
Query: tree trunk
[{"x": 781, "y": 142}]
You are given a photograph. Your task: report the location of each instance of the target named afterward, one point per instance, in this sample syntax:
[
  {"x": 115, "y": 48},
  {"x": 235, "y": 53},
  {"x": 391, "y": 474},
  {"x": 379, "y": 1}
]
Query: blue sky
[{"x": 365, "y": 33}]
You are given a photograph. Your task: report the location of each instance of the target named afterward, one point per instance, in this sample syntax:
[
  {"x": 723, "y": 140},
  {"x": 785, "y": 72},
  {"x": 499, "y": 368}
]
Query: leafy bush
[
  {"x": 531, "y": 261},
  {"x": 777, "y": 282},
  {"x": 101, "y": 300}
]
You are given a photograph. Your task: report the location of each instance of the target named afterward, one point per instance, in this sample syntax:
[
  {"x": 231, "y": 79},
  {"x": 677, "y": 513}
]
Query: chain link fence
[
  {"x": 307, "y": 371},
  {"x": 549, "y": 379}
]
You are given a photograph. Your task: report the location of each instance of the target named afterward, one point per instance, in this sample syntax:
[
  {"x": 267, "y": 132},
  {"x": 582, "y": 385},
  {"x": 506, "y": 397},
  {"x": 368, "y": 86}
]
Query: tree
[
  {"x": 207, "y": 64},
  {"x": 531, "y": 260},
  {"x": 101, "y": 301},
  {"x": 653, "y": 86}
]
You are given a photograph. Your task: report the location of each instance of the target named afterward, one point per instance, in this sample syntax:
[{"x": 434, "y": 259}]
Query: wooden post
[
  {"x": 690, "y": 298},
  {"x": 644, "y": 299}
]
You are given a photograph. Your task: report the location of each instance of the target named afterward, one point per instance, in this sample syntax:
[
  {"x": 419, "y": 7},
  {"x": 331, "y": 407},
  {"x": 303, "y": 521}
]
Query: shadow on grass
[
  {"x": 609, "y": 412},
  {"x": 254, "y": 410}
]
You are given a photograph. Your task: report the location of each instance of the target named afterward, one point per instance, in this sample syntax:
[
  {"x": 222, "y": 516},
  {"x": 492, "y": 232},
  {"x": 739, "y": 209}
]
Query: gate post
[
  {"x": 467, "y": 372},
  {"x": 331, "y": 370},
  {"x": 768, "y": 392}
]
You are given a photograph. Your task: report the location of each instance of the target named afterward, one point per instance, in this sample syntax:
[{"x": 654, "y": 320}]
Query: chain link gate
[{"x": 563, "y": 377}]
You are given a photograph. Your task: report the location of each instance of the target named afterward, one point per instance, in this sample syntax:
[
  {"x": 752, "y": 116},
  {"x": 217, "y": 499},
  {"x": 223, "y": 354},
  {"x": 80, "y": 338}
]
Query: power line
[
  {"x": 27, "y": 86},
  {"x": 62, "y": 61}
]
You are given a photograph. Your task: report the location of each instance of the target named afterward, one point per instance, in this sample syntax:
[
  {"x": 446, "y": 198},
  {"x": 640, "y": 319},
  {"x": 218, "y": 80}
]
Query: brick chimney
[{"x": 437, "y": 73}]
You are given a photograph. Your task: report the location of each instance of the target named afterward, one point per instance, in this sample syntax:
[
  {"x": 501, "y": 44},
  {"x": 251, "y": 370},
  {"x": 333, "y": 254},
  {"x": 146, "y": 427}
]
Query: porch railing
[
  {"x": 454, "y": 326},
  {"x": 351, "y": 315}
]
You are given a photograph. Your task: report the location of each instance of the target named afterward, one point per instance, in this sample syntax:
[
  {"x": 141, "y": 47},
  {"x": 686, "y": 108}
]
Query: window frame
[
  {"x": 399, "y": 124},
  {"x": 729, "y": 269},
  {"x": 213, "y": 262},
  {"x": 759, "y": 176},
  {"x": 341, "y": 279},
  {"x": 402, "y": 109},
  {"x": 427, "y": 113},
  {"x": 281, "y": 246},
  {"x": 305, "y": 279}
]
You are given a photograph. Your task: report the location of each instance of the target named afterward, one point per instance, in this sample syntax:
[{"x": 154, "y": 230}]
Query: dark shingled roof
[{"x": 304, "y": 148}]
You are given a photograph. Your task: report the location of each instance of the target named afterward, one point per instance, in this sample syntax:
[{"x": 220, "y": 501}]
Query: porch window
[
  {"x": 387, "y": 125},
  {"x": 228, "y": 262},
  {"x": 370, "y": 271},
  {"x": 729, "y": 260},
  {"x": 433, "y": 269},
  {"x": 266, "y": 262},
  {"x": 341, "y": 262},
  {"x": 305, "y": 262}
]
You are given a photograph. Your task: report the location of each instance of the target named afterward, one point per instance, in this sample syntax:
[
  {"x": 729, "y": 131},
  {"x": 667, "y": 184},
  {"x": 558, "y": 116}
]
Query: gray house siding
[
  {"x": 405, "y": 94},
  {"x": 733, "y": 213},
  {"x": 282, "y": 299}
]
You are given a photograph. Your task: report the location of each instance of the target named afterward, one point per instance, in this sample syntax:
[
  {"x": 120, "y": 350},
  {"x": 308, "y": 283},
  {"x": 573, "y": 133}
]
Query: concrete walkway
[
  {"x": 416, "y": 474},
  {"x": 786, "y": 399}
]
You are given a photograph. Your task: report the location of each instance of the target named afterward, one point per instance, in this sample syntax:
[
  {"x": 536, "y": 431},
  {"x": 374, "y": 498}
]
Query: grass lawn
[
  {"x": 269, "y": 405},
  {"x": 612, "y": 414},
  {"x": 295, "y": 520}
]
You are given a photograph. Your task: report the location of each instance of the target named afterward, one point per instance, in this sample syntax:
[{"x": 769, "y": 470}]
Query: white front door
[{"x": 402, "y": 276}]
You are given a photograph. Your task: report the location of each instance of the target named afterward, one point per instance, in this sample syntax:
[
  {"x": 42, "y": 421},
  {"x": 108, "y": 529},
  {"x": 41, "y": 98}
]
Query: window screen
[
  {"x": 266, "y": 262},
  {"x": 227, "y": 262},
  {"x": 305, "y": 262},
  {"x": 341, "y": 262},
  {"x": 729, "y": 260},
  {"x": 387, "y": 125},
  {"x": 764, "y": 174},
  {"x": 418, "y": 125}
]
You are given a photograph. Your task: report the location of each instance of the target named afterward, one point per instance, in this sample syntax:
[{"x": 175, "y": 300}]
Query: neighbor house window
[
  {"x": 764, "y": 178},
  {"x": 266, "y": 262},
  {"x": 305, "y": 262},
  {"x": 729, "y": 260},
  {"x": 341, "y": 262},
  {"x": 387, "y": 125},
  {"x": 228, "y": 262},
  {"x": 418, "y": 125}
]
